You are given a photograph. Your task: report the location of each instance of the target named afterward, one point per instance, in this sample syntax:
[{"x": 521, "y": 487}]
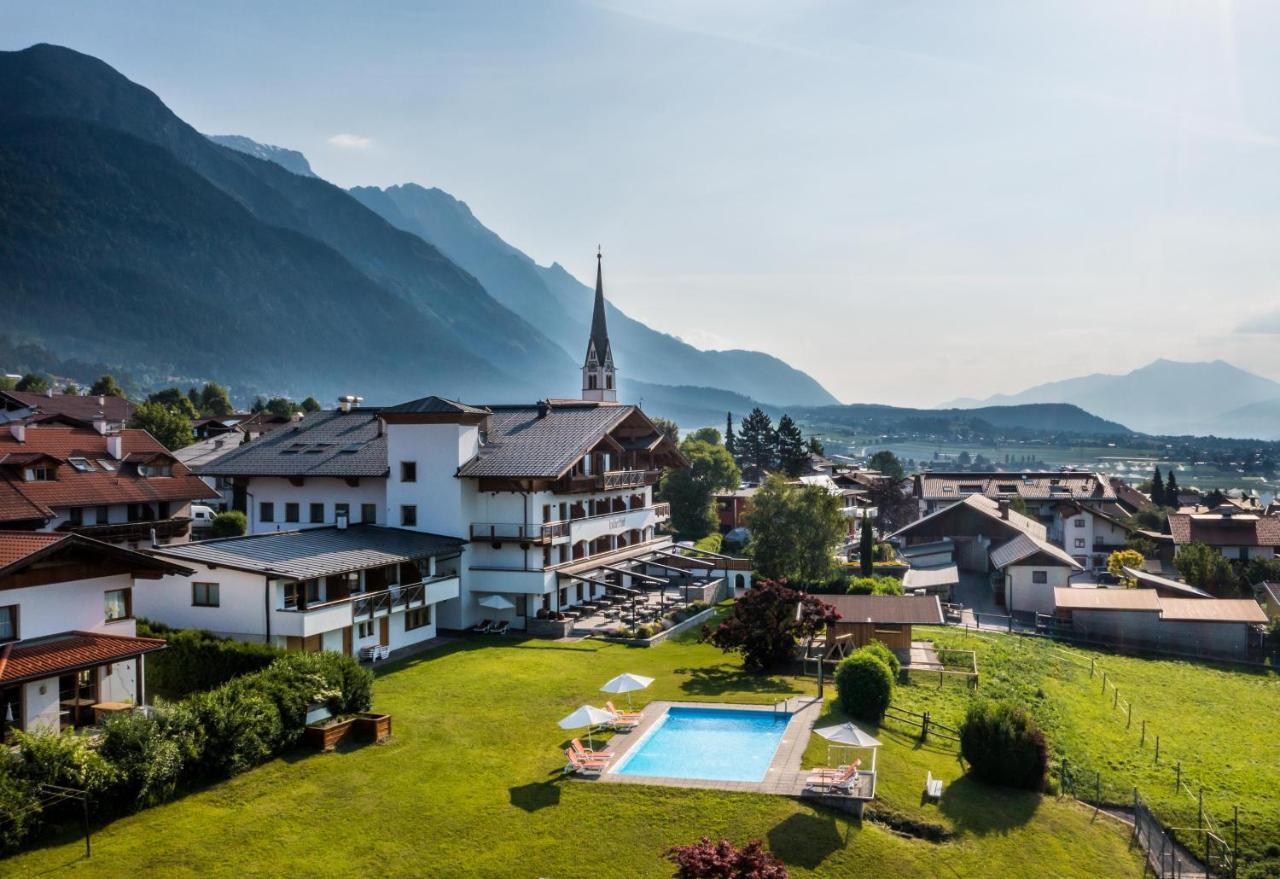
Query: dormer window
[
  {"x": 156, "y": 468},
  {"x": 109, "y": 466},
  {"x": 39, "y": 473}
]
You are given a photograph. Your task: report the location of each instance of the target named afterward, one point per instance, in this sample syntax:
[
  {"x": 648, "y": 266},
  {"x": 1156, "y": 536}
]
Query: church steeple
[{"x": 599, "y": 379}]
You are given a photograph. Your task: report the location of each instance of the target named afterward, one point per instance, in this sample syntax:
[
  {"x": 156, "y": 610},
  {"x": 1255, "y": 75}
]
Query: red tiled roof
[
  {"x": 75, "y": 406},
  {"x": 55, "y": 654},
  {"x": 1244, "y": 529},
  {"x": 72, "y": 488},
  {"x": 17, "y": 545}
]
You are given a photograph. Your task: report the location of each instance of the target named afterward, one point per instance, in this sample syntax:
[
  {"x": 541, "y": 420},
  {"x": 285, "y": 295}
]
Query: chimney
[
  {"x": 100, "y": 423},
  {"x": 344, "y": 403},
  {"x": 543, "y": 408},
  {"x": 49, "y": 392},
  {"x": 1004, "y": 508},
  {"x": 102, "y": 401},
  {"x": 19, "y": 431},
  {"x": 115, "y": 446}
]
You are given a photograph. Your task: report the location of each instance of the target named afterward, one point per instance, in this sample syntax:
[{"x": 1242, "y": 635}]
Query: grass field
[
  {"x": 1218, "y": 722},
  {"x": 470, "y": 786}
]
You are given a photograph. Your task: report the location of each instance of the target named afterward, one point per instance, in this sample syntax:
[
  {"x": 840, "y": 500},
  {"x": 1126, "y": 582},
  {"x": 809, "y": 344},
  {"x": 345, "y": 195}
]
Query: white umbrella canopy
[
  {"x": 496, "y": 602},
  {"x": 587, "y": 716},
  {"x": 626, "y": 683},
  {"x": 847, "y": 735}
]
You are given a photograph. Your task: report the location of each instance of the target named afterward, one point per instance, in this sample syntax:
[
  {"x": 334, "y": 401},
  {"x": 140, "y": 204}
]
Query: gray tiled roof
[
  {"x": 541, "y": 441},
  {"x": 316, "y": 552},
  {"x": 1024, "y": 546},
  {"x": 329, "y": 443},
  {"x": 434, "y": 406}
]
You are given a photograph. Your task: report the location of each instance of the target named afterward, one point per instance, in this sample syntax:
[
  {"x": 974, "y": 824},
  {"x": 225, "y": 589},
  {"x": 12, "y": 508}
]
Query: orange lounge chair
[
  {"x": 623, "y": 719},
  {"x": 587, "y": 754},
  {"x": 584, "y": 766},
  {"x": 825, "y": 777}
]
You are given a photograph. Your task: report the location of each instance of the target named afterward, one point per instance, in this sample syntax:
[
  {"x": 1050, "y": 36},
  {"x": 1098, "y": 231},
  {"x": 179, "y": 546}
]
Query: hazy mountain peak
[{"x": 290, "y": 160}]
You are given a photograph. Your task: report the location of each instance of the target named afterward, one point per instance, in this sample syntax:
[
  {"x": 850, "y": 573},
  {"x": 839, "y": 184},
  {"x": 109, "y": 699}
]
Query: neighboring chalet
[
  {"x": 1040, "y": 491},
  {"x": 331, "y": 588},
  {"x": 1238, "y": 535},
  {"x": 101, "y": 412},
  {"x": 68, "y": 645},
  {"x": 732, "y": 507},
  {"x": 884, "y": 618},
  {"x": 1087, "y": 532},
  {"x": 246, "y": 424},
  {"x": 121, "y": 487},
  {"x": 1143, "y": 619}
]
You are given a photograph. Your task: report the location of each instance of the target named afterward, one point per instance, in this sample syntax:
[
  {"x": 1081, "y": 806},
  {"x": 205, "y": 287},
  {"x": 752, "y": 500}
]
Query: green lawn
[
  {"x": 469, "y": 786},
  {"x": 1219, "y": 722}
]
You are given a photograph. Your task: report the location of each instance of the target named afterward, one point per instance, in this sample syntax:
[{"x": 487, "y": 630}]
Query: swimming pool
[{"x": 714, "y": 744}]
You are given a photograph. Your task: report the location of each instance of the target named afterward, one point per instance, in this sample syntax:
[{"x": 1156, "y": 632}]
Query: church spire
[{"x": 598, "y": 378}]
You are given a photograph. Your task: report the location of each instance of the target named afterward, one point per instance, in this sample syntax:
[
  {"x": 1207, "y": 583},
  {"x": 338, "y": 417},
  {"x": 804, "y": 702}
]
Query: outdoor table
[
  {"x": 102, "y": 709},
  {"x": 75, "y": 705}
]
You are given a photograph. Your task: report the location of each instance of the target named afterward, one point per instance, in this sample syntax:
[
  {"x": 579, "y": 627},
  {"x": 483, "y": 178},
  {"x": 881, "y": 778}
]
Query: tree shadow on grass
[
  {"x": 536, "y": 795},
  {"x": 806, "y": 839},
  {"x": 982, "y": 809},
  {"x": 724, "y": 678}
]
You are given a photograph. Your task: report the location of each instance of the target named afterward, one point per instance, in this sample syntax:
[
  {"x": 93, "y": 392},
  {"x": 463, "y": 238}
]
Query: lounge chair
[
  {"x": 623, "y": 719},
  {"x": 833, "y": 780},
  {"x": 481, "y": 627},
  {"x": 500, "y": 627},
  {"x": 586, "y": 753},
  {"x": 932, "y": 786},
  {"x": 580, "y": 766}
]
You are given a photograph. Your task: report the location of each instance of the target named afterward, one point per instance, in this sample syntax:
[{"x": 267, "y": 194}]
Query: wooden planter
[
  {"x": 374, "y": 728},
  {"x": 326, "y": 736}
]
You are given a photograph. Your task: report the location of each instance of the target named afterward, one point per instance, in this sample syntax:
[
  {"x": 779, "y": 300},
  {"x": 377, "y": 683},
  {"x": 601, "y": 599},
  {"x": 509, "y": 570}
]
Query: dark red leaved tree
[
  {"x": 765, "y": 627},
  {"x": 722, "y": 860}
]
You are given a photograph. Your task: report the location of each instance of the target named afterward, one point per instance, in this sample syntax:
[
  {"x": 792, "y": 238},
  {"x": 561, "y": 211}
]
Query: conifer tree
[
  {"x": 792, "y": 453},
  {"x": 729, "y": 442},
  {"x": 1157, "y": 489},
  {"x": 757, "y": 444},
  {"x": 1171, "y": 490}
]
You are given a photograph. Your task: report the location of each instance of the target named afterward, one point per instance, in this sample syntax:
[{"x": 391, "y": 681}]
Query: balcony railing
[
  {"x": 662, "y": 511},
  {"x": 166, "y": 529},
  {"x": 614, "y": 480},
  {"x": 523, "y": 532},
  {"x": 366, "y": 605}
]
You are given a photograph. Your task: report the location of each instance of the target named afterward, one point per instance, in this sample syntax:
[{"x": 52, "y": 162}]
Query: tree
[
  {"x": 816, "y": 447},
  {"x": 866, "y": 549},
  {"x": 793, "y": 455},
  {"x": 175, "y": 400},
  {"x": 1121, "y": 559},
  {"x": 1004, "y": 746},
  {"x": 886, "y": 462},
  {"x": 33, "y": 383},
  {"x": 1157, "y": 489},
  {"x": 1204, "y": 567},
  {"x": 757, "y": 445},
  {"x": 668, "y": 427},
  {"x": 311, "y": 404},
  {"x": 231, "y": 523},
  {"x": 105, "y": 386},
  {"x": 71, "y": 388},
  {"x": 706, "y": 435},
  {"x": 1171, "y": 490},
  {"x": 1215, "y": 498},
  {"x": 894, "y": 507},
  {"x": 1018, "y": 505},
  {"x": 864, "y": 684},
  {"x": 794, "y": 531},
  {"x": 721, "y": 860},
  {"x": 171, "y": 428},
  {"x": 691, "y": 490},
  {"x": 964, "y": 460},
  {"x": 730, "y": 442},
  {"x": 765, "y": 627},
  {"x": 8, "y": 383},
  {"x": 215, "y": 402}
]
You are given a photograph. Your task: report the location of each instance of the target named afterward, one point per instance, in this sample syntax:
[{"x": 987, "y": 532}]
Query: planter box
[
  {"x": 549, "y": 628},
  {"x": 325, "y": 737},
  {"x": 375, "y": 728}
]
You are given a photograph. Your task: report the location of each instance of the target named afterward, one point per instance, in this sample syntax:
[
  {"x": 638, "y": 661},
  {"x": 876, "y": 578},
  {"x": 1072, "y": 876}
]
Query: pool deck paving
[{"x": 784, "y": 776}]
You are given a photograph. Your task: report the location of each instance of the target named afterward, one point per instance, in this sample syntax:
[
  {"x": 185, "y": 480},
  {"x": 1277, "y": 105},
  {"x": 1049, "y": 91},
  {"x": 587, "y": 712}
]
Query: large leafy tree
[
  {"x": 171, "y": 427},
  {"x": 765, "y": 627},
  {"x": 33, "y": 383},
  {"x": 215, "y": 401},
  {"x": 106, "y": 386},
  {"x": 668, "y": 427},
  {"x": 794, "y": 531},
  {"x": 887, "y": 462},
  {"x": 174, "y": 399},
  {"x": 793, "y": 455},
  {"x": 691, "y": 490},
  {"x": 706, "y": 435},
  {"x": 757, "y": 444},
  {"x": 1204, "y": 567},
  {"x": 894, "y": 507}
]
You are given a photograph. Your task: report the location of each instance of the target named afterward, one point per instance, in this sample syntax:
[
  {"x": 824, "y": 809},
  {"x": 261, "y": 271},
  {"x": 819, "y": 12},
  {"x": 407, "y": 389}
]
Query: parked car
[{"x": 201, "y": 517}]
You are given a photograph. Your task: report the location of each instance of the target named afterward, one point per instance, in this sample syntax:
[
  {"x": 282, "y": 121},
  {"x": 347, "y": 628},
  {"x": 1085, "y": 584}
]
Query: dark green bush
[
  {"x": 240, "y": 730},
  {"x": 64, "y": 760},
  {"x": 148, "y": 763},
  {"x": 887, "y": 656},
  {"x": 19, "y": 806},
  {"x": 864, "y": 686},
  {"x": 231, "y": 523},
  {"x": 198, "y": 660},
  {"x": 1004, "y": 746}
]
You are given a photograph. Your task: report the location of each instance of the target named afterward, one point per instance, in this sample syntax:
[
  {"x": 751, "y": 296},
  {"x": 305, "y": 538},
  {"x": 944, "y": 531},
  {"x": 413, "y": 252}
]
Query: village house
[
  {"x": 69, "y": 650},
  {"x": 1087, "y": 533},
  {"x": 884, "y": 618},
  {"x": 1238, "y": 535},
  {"x": 105, "y": 413},
  {"x": 1039, "y": 491},
  {"x": 121, "y": 487}
]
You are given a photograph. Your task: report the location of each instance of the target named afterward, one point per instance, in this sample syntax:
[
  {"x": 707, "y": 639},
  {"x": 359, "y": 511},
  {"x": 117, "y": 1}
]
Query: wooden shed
[{"x": 884, "y": 618}]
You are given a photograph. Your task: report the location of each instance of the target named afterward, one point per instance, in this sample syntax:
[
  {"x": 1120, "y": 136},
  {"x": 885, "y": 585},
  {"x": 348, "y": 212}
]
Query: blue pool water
[{"x": 717, "y": 744}]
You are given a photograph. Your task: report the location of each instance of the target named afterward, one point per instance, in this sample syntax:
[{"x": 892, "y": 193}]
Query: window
[
  {"x": 409, "y": 515},
  {"x": 317, "y": 513},
  {"x": 1039, "y": 576},
  {"x": 408, "y": 471},
  {"x": 82, "y": 465},
  {"x": 546, "y": 556},
  {"x": 591, "y": 382},
  {"x": 1079, "y": 523},
  {"x": 106, "y": 465},
  {"x": 9, "y": 623},
  {"x": 266, "y": 512},
  {"x": 417, "y": 618},
  {"x": 119, "y": 604},
  {"x": 580, "y": 596},
  {"x": 102, "y": 516},
  {"x": 564, "y": 596},
  {"x": 369, "y": 513},
  {"x": 75, "y": 516},
  {"x": 39, "y": 473},
  {"x": 204, "y": 595},
  {"x": 608, "y": 381},
  {"x": 342, "y": 511},
  {"x": 162, "y": 468},
  {"x": 1079, "y": 543},
  {"x": 291, "y": 512},
  {"x": 365, "y": 629}
]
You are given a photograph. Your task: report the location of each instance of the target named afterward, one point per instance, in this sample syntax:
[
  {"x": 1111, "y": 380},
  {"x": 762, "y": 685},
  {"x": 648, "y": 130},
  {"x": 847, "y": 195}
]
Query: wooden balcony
[
  {"x": 613, "y": 480},
  {"x": 134, "y": 532},
  {"x": 528, "y": 532}
]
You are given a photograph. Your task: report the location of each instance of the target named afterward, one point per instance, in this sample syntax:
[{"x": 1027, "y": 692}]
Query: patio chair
[
  {"x": 587, "y": 753},
  {"x": 932, "y": 786},
  {"x": 500, "y": 627},
  {"x": 580, "y": 766},
  {"x": 481, "y": 627},
  {"x": 622, "y": 719},
  {"x": 830, "y": 780}
]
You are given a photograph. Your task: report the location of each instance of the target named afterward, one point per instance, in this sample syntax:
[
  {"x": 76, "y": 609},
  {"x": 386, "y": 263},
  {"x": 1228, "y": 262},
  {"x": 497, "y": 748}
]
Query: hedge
[
  {"x": 885, "y": 655},
  {"x": 197, "y": 659},
  {"x": 142, "y": 760},
  {"x": 1004, "y": 746},
  {"x": 864, "y": 685}
]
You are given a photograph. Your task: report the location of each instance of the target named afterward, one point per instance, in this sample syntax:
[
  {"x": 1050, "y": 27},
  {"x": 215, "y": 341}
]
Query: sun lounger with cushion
[
  {"x": 622, "y": 719},
  {"x": 582, "y": 752},
  {"x": 500, "y": 627},
  {"x": 576, "y": 764},
  {"x": 826, "y": 778},
  {"x": 482, "y": 626}
]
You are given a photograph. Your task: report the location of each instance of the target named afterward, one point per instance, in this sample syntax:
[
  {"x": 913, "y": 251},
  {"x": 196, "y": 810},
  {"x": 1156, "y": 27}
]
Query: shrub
[
  {"x": 1004, "y": 746},
  {"x": 723, "y": 860},
  {"x": 240, "y": 729},
  {"x": 711, "y": 543},
  {"x": 885, "y": 655},
  {"x": 19, "y": 806},
  {"x": 875, "y": 586},
  {"x": 231, "y": 523},
  {"x": 148, "y": 763},
  {"x": 64, "y": 760},
  {"x": 197, "y": 659},
  {"x": 864, "y": 685}
]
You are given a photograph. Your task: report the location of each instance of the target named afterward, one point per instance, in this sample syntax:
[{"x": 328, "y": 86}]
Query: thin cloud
[{"x": 351, "y": 141}]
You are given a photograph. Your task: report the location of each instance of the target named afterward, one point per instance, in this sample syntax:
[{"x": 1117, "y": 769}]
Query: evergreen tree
[
  {"x": 729, "y": 442},
  {"x": 1171, "y": 490},
  {"x": 215, "y": 401},
  {"x": 757, "y": 444},
  {"x": 1157, "y": 489},
  {"x": 867, "y": 549},
  {"x": 816, "y": 447},
  {"x": 33, "y": 383},
  {"x": 793, "y": 456},
  {"x": 106, "y": 387}
]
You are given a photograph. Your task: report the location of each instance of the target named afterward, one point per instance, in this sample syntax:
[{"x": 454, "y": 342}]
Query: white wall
[
  {"x": 1022, "y": 595},
  {"x": 438, "y": 450},
  {"x": 314, "y": 489},
  {"x": 241, "y": 612},
  {"x": 41, "y": 710},
  {"x": 62, "y": 607}
]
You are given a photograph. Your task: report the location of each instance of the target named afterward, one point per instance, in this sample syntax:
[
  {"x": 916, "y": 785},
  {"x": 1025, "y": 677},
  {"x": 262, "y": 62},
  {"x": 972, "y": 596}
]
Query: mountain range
[
  {"x": 1166, "y": 397},
  {"x": 145, "y": 243}
]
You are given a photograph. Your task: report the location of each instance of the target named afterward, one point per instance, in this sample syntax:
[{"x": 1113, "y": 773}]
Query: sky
[{"x": 910, "y": 201}]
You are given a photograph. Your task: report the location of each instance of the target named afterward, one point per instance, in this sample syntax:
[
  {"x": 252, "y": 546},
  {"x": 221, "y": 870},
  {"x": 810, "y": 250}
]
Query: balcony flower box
[
  {"x": 372, "y": 728},
  {"x": 328, "y": 734}
]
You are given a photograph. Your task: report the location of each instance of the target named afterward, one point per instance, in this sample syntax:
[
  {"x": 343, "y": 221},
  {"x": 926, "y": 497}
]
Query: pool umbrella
[
  {"x": 496, "y": 602},
  {"x": 849, "y": 736},
  {"x": 626, "y": 683},
  {"x": 587, "y": 716}
]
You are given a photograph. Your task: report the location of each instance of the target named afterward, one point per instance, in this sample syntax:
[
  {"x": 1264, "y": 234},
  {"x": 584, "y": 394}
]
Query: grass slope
[{"x": 470, "y": 786}]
